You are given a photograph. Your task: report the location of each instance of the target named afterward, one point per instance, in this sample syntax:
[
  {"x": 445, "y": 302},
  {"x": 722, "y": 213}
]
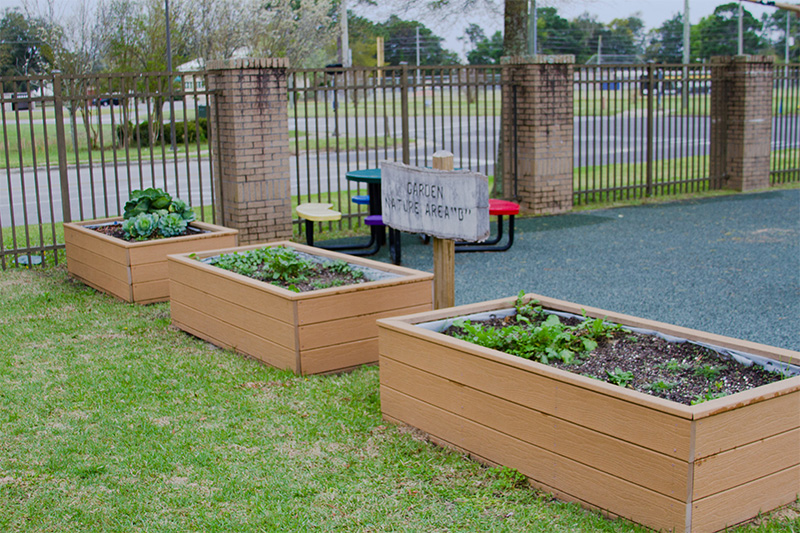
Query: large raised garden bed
[
  {"x": 134, "y": 271},
  {"x": 663, "y": 464},
  {"x": 320, "y": 331}
]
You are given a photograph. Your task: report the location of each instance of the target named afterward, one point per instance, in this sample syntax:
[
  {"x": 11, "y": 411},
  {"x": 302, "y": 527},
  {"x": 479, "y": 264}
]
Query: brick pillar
[
  {"x": 537, "y": 117},
  {"x": 741, "y": 121},
  {"x": 251, "y": 155}
]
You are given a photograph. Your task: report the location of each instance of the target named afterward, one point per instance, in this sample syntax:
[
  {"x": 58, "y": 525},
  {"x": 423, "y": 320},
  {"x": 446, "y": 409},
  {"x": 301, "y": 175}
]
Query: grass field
[{"x": 112, "y": 421}]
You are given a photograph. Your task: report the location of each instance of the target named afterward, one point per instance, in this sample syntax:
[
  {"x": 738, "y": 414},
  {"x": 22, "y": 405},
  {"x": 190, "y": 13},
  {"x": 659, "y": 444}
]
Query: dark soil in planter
[
  {"x": 114, "y": 229},
  {"x": 683, "y": 372},
  {"x": 295, "y": 271}
]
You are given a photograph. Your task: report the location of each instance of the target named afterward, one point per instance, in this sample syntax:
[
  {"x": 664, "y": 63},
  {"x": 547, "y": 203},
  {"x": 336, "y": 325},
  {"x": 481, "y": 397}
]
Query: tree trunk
[{"x": 515, "y": 36}]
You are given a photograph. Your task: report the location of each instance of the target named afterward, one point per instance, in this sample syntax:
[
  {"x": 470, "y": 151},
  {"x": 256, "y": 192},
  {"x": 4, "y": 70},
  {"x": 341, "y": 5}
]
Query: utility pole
[
  {"x": 686, "y": 54},
  {"x": 599, "y": 49},
  {"x": 533, "y": 28},
  {"x": 418, "y": 73},
  {"x": 741, "y": 29},
  {"x": 346, "y": 59}
]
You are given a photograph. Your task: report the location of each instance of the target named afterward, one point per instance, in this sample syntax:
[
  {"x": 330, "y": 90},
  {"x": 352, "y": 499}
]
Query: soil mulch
[{"x": 683, "y": 372}]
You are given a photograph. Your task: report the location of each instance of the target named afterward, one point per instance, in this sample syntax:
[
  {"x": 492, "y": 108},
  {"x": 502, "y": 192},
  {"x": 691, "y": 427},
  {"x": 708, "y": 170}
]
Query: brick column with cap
[
  {"x": 741, "y": 121},
  {"x": 538, "y": 119},
  {"x": 251, "y": 153}
]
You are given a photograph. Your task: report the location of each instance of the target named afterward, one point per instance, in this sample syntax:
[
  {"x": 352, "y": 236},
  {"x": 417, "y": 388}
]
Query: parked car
[{"x": 106, "y": 101}]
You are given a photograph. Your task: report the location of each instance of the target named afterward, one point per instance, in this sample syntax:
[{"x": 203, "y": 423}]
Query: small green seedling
[{"x": 620, "y": 377}]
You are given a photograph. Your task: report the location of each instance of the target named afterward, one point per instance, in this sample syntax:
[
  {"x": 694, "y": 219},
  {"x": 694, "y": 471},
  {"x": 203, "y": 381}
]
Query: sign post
[
  {"x": 444, "y": 203},
  {"x": 444, "y": 252}
]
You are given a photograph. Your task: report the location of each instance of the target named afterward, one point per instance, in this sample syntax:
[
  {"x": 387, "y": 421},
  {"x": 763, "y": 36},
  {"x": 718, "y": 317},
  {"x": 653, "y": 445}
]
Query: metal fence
[
  {"x": 785, "y": 155},
  {"x": 350, "y": 119},
  {"x": 74, "y": 147},
  {"x": 641, "y": 130}
]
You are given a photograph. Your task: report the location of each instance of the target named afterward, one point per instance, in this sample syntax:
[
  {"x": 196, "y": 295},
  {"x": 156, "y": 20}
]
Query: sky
[{"x": 653, "y": 13}]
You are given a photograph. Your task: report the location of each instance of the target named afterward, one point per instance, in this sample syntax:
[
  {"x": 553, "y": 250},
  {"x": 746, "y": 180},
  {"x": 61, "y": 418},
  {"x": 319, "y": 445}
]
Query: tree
[
  {"x": 515, "y": 27},
  {"x": 484, "y": 51},
  {"x": 20, "y": 46},
  {"x": 401, "y": 44},
  {"x": 297, "y": 29},
  {"x": 585, "y": 33},
  {"x": 666, "y": 41},
  {"x": 717, "y": 33},
  {"x": 552, "y": 30},
  {"x": 626, "y": 37},
  {"x": 363, "y": 40},
  {"x": 774, "y": 25}
]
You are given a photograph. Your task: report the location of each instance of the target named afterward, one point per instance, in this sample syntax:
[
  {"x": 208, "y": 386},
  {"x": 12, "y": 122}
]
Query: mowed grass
[{"x": 111, "y": 420}]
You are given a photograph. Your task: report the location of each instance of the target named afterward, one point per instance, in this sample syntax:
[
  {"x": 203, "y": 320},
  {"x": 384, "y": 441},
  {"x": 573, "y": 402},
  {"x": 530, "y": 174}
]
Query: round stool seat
[{"x": 502, "y": 207}]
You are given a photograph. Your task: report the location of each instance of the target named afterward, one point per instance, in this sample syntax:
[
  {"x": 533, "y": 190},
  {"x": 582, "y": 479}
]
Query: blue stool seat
[{"x": 361, "y": 199}]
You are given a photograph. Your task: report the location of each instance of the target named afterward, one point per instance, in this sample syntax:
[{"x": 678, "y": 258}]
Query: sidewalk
[{"x": 729, "y": 265}]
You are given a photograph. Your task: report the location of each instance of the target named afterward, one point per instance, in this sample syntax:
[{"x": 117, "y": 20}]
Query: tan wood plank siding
[
  {"x": 250, "y": 294},
  {"x": 158, "y": 250},
  {"x": 227, "y": 336},
  {"x": 101, "y": 281},
  {"x": 101, "y": 245},
  {"x": 581, "y": 481},
  {"x": 581, "y": 405},
  {"x": 230, "y": 312},
  {"x": 349, "y": 328},
  {"x": 339, "y": 357},
  {"x": 727, "y": 430},
  {"x": 741, "y": 465},
  {"x": 151, "y": 291},
  {"x": 638, "y": 465},
  {"x": 362, "y": 300},
  {"x": 746, "y": 501},
  {"x": 117, "y": 270}
]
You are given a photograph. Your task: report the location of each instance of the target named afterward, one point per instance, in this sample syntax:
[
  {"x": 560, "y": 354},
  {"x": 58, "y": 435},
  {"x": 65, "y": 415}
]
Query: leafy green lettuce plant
[{"x": 152, "y": 213}]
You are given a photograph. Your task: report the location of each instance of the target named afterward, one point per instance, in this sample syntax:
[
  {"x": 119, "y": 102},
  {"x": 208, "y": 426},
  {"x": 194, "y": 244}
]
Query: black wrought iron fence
[
  {"x": 640, "y": 130},
  {"x": 785, "y": 156},
  {"x": 349, "y": 119},
  {"x": 74, "y": 147}
]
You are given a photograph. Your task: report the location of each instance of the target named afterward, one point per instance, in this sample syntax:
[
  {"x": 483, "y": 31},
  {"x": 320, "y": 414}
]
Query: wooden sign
[{"x": 448, "y": 204}]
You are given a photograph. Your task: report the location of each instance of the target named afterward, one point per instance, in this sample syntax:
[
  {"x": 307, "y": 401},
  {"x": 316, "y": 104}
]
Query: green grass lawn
[{"x": 111, "y": 420}]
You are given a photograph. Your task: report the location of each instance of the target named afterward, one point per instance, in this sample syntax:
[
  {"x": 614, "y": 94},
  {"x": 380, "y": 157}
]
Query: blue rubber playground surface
[{"x": 729, "y": 264}]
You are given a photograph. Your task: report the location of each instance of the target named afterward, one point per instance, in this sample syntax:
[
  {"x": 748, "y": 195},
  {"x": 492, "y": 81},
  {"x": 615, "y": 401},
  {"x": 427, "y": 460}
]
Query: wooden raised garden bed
[
  {"x": 666, "y": 465},
  {"x": 134, "y": 271},
  {"x": 320, "y": 331}
]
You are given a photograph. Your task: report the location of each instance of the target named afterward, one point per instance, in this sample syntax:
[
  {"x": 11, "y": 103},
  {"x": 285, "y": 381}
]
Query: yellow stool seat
[{"x": 318, "y": 212}]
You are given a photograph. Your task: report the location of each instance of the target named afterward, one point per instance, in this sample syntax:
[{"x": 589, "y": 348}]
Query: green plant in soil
[
  {"x": 541, "y": 336},
  {"x": 620, "y": 377},
  {"x": 285, "y": 268},
  {"x": 152, "y": 213}
]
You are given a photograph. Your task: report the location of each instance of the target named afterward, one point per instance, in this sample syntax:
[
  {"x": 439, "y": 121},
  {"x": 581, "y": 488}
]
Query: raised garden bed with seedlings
[
  {"x": 670, "y": 427},
  {"x": 292, "y": 306},
  {"x": 643, "y": 360},
  {"x": 294, "y": 270},
  {"x": 127, "y": 256}
]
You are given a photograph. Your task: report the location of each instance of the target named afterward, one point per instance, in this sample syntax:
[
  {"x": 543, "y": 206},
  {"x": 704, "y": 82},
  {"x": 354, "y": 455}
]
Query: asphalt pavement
[{"x": 728, "y": 264}]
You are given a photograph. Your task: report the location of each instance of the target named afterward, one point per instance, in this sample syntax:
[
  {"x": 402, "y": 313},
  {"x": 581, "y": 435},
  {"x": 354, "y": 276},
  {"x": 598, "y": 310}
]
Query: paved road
[{"x": 94, "y": 192}]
